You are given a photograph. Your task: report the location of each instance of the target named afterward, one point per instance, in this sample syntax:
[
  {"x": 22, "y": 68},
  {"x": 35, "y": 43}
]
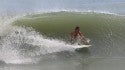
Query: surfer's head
[{"x": 77, "y": 28}]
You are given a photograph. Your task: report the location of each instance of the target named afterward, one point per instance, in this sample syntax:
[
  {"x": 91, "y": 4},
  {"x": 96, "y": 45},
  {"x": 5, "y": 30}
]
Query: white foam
[
  {"x": 20, "y": 44},
  {"x": 74, "y": 10}
]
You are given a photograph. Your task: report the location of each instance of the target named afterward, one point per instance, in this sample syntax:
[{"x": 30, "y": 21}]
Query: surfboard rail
[{"x": 81, "y": 46}]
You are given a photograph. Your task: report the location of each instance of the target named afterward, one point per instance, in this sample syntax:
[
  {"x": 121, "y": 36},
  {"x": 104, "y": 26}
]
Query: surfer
[{"x": 78, "y": 36}]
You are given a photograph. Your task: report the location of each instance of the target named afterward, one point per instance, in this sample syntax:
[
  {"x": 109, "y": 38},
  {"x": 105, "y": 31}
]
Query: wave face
[
  {"x": 106, "y": 31},
  {"x": 28, "y": 39}
]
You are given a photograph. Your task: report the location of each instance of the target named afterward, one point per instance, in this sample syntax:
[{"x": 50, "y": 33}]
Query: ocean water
[{"x": 35, "y": 34}]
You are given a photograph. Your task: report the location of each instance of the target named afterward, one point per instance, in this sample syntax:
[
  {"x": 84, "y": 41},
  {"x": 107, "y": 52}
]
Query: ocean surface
[{"x": 35, "y": 34}]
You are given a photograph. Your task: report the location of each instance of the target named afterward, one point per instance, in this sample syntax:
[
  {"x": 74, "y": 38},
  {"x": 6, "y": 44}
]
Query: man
[{"x": 77, "y": 36}]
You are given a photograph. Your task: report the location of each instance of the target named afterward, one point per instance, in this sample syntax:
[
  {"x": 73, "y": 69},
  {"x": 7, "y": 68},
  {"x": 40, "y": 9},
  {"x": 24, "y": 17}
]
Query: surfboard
[
  {"x": 81, "y": 46},
  {"x": 84, "y": 43}
]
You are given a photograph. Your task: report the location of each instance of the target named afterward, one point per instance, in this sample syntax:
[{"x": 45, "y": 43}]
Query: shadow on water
[{"x": 83, "y": 50}]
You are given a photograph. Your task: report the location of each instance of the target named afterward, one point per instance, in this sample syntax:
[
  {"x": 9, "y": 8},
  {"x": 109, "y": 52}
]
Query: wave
[
  {"x": 105, "y": 30},
  {"x": 25, "y": 38}
]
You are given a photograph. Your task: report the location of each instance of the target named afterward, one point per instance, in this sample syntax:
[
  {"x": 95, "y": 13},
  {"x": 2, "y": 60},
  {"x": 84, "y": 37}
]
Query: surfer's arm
[
  {"x": 86, "y": 40},
  {"x": 81, "y": 34}
]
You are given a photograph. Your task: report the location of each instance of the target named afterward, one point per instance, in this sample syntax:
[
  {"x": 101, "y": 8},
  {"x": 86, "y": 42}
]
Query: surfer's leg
[
  {"x": 72, "y": 41},
  {"x": 79, "y": 40}
]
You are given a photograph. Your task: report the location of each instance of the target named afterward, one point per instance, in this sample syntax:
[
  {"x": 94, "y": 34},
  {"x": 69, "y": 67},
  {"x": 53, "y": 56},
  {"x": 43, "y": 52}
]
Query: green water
[
  {"x": 62, "y": 23},
  {"x": 106, "y": 31}
]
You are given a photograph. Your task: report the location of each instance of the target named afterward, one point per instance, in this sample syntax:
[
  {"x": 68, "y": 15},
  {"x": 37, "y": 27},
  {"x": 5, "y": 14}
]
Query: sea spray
[{"x": 22, "y": 43}]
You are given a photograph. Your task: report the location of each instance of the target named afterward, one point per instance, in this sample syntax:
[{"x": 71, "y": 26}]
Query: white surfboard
[{"x": 81, "y": 46}]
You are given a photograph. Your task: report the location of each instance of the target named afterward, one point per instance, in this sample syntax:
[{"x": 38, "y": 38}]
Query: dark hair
[{"x": 77, "y": 28}]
